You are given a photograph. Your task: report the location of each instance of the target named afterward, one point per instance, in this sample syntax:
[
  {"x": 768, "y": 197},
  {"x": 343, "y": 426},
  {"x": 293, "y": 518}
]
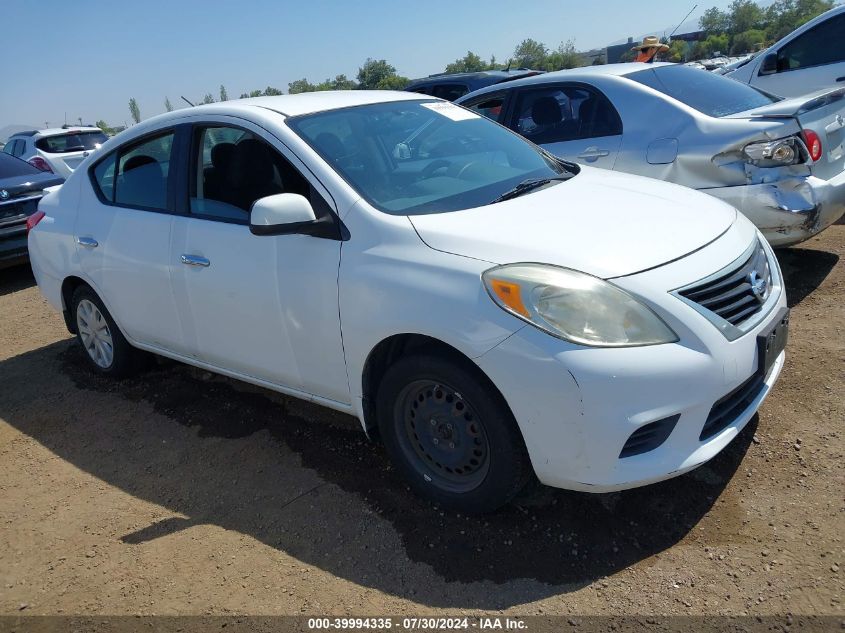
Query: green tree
[
  {"x": 373, "y": 72},
  {"x": 393, "y": 82},
  {"x": 207, "y": 98},
  {"x": 300, "y": 85},
  {"x": 565, "y": 56},
  {"x": 714, "y": 21},
  {"x": 530, "y": 54},
  {"x": 134, "y": 110},
  {"x": 223, "y": 95},
  {"x": 748, "y": 41},
  {"x": 677, "y": 51},
  {"x": 744, "y": 15},
  {"x": 269, "y": 91},
  {"x": 104, "y": 127},
  {"x": 168, "y": 107},
  {"x": 469, "y": 63}
]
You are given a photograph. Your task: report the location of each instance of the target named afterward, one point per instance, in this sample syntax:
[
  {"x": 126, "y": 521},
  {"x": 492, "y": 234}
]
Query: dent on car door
[
  {"x": 574, "y": 122},
  {"x": 260, "y": 306},
  {"x": 122, "y": 236}
]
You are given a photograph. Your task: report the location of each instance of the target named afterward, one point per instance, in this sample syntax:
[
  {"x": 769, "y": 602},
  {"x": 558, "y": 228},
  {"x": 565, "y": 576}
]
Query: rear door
[
  {"x": 811, "y": 61},
  {"x": 575, "y": 122},
  {"x": 123, "y": 233}
]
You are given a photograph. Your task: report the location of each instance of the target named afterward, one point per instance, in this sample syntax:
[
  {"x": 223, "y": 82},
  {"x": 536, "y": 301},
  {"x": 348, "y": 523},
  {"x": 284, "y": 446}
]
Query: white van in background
[{"x": 809, "y": 59}]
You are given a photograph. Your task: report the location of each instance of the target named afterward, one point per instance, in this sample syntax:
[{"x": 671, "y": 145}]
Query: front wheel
[{"x": 451, "y": 434}]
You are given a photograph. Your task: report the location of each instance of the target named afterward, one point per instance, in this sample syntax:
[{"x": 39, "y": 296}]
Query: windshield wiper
[{"x": 527, "y": 185}]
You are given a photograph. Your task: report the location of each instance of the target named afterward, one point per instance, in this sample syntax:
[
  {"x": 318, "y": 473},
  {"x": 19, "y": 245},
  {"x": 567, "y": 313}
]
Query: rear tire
[
  {"x": 451, "y": 434},
  {"x": 105, "y": 348}
]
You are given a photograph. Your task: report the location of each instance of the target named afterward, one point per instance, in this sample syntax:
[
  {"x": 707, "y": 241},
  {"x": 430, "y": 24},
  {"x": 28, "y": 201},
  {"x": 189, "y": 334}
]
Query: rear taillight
[
  {"x": 813, "y": 143},
  {"x": 34, "y": 219},
  {"x": 40, "y": 163}
]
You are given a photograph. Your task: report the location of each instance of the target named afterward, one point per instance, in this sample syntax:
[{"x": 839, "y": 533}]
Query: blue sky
[{"x": 88, "y": 57}]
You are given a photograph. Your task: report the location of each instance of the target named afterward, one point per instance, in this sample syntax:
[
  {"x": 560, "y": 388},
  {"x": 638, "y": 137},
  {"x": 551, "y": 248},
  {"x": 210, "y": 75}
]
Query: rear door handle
[
  {"x": 593, "y": 153},
  {"x": 195, "y": 260},
  {"x": 87, "y": 242},
  {"x": 840, "y": 79}
]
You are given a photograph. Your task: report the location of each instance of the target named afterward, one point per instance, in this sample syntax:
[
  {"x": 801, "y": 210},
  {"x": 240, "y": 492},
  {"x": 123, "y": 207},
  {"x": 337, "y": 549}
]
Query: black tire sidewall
[
  {"x": 509, "y": 466},
  {"x": 124, "y": 355}
]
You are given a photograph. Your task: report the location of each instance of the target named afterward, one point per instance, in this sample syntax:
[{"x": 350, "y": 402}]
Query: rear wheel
[
  {"x": 104, "y": 345},
  {"x": 451, "y": 434}
]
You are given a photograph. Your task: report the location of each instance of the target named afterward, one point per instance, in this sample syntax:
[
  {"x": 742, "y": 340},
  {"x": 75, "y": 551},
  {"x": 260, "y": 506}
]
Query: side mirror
[
  {"x": 285, "y": 214},
  {"x": 769, "y": 65}
]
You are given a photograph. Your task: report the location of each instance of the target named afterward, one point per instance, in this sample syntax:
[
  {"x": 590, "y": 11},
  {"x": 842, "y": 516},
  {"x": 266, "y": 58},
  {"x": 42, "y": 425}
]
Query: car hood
[{"x": 599, "y": 222}]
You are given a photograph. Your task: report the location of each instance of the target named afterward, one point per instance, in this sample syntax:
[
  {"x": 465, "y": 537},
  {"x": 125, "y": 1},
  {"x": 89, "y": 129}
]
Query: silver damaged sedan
[{"x": 779, "y": 161}]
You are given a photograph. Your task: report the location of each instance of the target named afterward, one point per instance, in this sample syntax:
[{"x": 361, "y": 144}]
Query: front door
[{"x": 263, "y": 307}]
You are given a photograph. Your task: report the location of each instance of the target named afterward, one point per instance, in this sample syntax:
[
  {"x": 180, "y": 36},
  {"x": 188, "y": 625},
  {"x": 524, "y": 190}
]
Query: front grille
[
  {"x": 728, "y": 408},
  {"x": 649, "y": 436},
  {"x": 739, "y": 293}
]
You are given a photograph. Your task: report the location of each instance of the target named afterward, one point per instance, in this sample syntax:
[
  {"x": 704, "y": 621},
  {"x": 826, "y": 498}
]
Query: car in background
[
  {"x": 451, "y": 86},
  {"x": 486, "y": 310},
  {"x": 809, "y": 59},
  {"x": 778, "y": 161},
  {"x": 21, "y": 187},
  {"x": 57, "y": 150}
]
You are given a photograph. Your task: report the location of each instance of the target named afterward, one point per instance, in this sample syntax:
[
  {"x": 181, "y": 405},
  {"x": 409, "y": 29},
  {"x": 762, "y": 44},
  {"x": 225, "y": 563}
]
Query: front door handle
[
  {"x": 592, "y": 154},
  {"x": 195, "y": 260},
  {"x": 87, "y": 242}
]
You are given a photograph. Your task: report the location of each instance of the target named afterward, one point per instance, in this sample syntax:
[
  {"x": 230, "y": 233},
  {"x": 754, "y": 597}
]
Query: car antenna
[
  {"x": 188, "y": 102},
  {"x": 681, "y": 23}
]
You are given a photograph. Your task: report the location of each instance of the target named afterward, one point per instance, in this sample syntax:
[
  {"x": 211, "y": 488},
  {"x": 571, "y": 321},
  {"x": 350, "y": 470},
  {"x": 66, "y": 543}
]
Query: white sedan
[{"x": 485, "y": 309}]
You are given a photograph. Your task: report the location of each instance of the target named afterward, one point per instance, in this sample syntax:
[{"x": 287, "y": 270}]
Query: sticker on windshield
[{"x": 451, "y": 111}]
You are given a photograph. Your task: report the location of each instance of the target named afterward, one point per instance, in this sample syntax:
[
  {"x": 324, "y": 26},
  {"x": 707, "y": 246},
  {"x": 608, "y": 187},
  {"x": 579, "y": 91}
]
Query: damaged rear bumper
[{"x": 788, "y": 211}]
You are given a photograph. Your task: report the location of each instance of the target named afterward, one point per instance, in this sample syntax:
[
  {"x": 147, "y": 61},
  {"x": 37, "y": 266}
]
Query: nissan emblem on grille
[{"x": 759, "y": 285}]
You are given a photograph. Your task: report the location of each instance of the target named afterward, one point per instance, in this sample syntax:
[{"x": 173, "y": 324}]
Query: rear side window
[
  {"x": 137, "y": 175},
  {"x": 450, "y": 92},
  {"x": 822, "y": 44},
  {"x": 710, "y": 94},
  {"x": 565, "y": 113},
  {"x": 71, "y": 142},
  {"x": 491, "y": 107}
]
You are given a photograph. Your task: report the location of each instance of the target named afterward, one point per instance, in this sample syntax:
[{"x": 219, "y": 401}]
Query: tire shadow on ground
[{"x": 218, "y": 473}]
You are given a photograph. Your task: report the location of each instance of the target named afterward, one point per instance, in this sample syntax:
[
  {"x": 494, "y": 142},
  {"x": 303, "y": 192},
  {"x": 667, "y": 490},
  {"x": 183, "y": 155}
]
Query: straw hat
[{"x": 651, "y": 41}]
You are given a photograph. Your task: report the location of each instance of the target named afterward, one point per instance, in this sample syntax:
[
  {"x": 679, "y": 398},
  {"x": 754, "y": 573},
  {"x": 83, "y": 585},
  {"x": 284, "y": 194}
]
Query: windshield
[
  {"x": 11, "y": 166},
  {"x": 416, "y": 157},
  {"x": 71, "y": 142},
  {"x": 707, "y": 92}
]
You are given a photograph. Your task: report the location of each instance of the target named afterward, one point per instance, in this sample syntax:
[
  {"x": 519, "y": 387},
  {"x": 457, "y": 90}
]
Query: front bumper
[
  {"x": 788, "y": 211},
  {"x": 577, "y": 407}
]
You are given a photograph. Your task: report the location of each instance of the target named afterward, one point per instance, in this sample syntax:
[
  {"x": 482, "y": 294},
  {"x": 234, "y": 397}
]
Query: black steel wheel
[{"x": 450, "y": 433}]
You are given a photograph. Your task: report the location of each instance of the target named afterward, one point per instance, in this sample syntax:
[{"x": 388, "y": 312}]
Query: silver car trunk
[{"x": 824, "y": 114}]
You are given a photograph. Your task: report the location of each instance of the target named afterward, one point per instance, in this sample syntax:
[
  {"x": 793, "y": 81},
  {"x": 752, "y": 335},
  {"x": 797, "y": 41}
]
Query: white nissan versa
[{"x": 486, "y": 309}]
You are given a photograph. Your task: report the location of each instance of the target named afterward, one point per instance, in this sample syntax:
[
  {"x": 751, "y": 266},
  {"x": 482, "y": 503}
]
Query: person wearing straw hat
[{"x": 649, "y": 49}]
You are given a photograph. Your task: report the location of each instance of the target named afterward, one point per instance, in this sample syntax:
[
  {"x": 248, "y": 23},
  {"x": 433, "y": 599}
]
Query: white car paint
[
  {"x": 799, "y": 81},
  {"x": 24, "y": 145},
  {"x": 301, "y": 315}
]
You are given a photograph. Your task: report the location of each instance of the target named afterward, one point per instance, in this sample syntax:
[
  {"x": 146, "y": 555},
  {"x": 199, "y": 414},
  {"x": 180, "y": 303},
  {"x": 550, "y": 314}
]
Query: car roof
[
  {"x": 571, "y": 74},
  {"x": 312, "y": 102},
  {"x": 55, "y": 131}
]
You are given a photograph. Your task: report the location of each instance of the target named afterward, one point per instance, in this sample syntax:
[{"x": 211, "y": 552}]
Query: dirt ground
[{"x": 179, "y": 492}]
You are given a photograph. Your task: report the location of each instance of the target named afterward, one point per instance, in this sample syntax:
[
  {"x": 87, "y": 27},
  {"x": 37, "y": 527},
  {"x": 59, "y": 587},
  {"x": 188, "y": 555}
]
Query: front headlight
[{"x": 575, "y": 306}]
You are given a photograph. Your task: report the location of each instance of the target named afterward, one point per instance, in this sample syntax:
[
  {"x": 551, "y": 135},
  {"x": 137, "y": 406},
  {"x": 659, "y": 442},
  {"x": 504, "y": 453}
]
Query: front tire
[
  {"x": 102, "y": 342},
  {"x": 451, "y": 434}
]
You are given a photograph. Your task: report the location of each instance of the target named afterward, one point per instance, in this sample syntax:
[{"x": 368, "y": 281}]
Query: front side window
[
  {"x": 232, "y": 168},
  {"x": 142, "y": 173},
  {"x": 71, "y": 142},
  {"x": 415, "y": 157},
  {"x": 564, "y": 113},
  {"x": 822, "y": 44},
  {"x": 704, "y": 91}
]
